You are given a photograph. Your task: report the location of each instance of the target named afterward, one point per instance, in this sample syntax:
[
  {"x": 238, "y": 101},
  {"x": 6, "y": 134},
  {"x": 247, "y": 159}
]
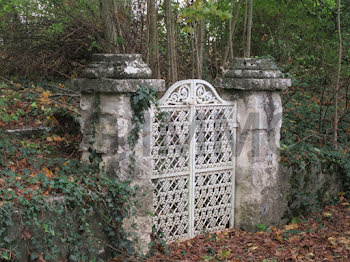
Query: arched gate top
[{"x": 192, "y": 92}]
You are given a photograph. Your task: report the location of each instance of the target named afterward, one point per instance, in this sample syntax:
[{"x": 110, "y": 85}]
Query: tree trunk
[
  {"x": 148, "y": 19},
  {"x": 194, "y": 56},
  {"x": 200, "y": 44},
  {"x": 108, "y": 16},
  {"x": 245, "y": 28},
  {"x": 153, "y": 39},
  {"x": 337, "y": 87},
  {"x": 200, "y": 41},
  {"x": 249, "y": 28},
  {"x": 232, "y": 27},
  {"x": 172, "y": 62}
]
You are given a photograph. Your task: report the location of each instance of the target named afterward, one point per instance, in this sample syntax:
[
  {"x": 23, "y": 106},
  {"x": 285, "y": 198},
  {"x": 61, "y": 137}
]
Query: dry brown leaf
[
  {"x": 295, "y": 238},
  {"x": 332, "y": 241},
  {"x": 291, "y": 226},
  {"x": 327, "y": 215},
  {"x": 26, "y": 234},
  {"x": 58, "y": 138},
  {"x": 344, "y": 240},
  {"x": 41, "y": 258},
  {"x": 47, "y": 172}
]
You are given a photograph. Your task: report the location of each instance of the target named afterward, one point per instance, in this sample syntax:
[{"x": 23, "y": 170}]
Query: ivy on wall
[{"x": 76, "y": 209}]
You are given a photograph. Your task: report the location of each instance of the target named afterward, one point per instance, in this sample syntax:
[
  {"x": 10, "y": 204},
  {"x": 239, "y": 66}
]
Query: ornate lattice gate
[{"x": 193, "y": 161}]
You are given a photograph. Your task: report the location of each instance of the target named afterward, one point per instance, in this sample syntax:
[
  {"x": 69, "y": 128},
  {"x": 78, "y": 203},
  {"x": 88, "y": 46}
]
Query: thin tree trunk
[
  {"x": 245, "y": 28},
  {"x": 147, "y": 32},
  {"x": 232, "y": 27},
  {"x": 200, "y": 44},
  {"x": 153, "y": 39},
  {"x": 194, "y": 56},
  {"x": 249, "y": 28},
  {"x": 337, "y": 88},
  {"x": 108, "y": 16},
  {"x": 119, "y": 28},
  {"x": 172, "y": 62},
  {"x": 216, "y": 58}
]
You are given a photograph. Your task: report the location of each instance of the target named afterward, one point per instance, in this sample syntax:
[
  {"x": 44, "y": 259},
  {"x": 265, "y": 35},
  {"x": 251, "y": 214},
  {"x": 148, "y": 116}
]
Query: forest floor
[{"x": 324, "y": 236}]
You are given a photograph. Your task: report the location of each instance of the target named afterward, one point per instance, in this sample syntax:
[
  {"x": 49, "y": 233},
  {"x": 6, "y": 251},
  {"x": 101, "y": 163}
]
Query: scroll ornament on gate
[{"x": 183, "y": 93}]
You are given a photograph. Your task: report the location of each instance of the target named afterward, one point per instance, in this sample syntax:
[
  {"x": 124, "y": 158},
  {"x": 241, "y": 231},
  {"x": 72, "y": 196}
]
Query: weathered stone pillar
[
  {"x": 106, "y": 122},
  {"x": 256, "y": 85}
]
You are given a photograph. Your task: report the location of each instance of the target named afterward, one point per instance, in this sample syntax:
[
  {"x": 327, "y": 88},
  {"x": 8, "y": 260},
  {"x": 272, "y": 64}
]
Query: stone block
[
  {"x": 118, "y": 66},
  {"x": 243, "y": 73},
  {"x": 86, "y": 101},
  {"x": 252, "y": 64},
  {"x": 264, "y": 84},
  {"x": 105, "y": 144},
  {"x": 259, "y": 110},
  {"x": 108, "y": 85}
]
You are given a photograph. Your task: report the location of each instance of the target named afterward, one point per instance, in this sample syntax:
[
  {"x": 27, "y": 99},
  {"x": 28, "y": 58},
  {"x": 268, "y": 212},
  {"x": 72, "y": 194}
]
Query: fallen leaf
[
  {"x": 41, "y": 259},
  {"x": 326, "y": 214},
  {"x": 225, "y": 253},
  {"x": 221, "y": 235},
  {"x": 26, "y": 234},
  {"x": 332, "y": 241},
  {"x": 47, "y": 172},
  {"x": 344, "y": 240},
  {"x": 291, "y": 226},
  {"x": 295, "y": 238},
  {"x": 58, "y": 138}
]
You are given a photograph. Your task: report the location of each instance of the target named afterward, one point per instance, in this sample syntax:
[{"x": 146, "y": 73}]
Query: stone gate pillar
[
  {"x": 105, "y": 86},
  {"x": 256, "y": 85}
]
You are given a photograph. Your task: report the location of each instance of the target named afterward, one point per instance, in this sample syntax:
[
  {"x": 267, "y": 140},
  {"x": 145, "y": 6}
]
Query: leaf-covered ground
[
  {"x": 323, "y": 237},
  {"x": 24, "y": 157}
]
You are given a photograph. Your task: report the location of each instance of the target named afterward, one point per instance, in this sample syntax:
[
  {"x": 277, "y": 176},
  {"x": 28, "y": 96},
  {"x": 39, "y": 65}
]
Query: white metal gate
[{"x": 193, "y": 158}]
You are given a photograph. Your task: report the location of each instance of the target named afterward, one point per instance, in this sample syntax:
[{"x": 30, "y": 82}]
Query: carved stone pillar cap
[
  {"x": 116, "y": 73},
  {"x": 117, "y": 66},
  {"x": 252, "y": 74}
]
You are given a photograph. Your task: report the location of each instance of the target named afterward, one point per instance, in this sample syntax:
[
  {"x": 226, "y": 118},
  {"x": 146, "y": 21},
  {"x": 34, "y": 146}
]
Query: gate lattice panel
[{"x": 193, "y": 150}]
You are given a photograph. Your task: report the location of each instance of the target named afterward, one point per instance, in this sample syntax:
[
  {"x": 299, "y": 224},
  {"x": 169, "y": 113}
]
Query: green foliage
[
  {"x": 78, "y": 195},
  {"x": 200, "y": 10},
  {"x": 262, "y": 227},
  {"x": 83, "y": 196},
  {"x": 7, "y": 100},
  {"x": 59, "y": 200},
  {"x": 308, "y": 153},
  {"x": 141, "y": 101}
]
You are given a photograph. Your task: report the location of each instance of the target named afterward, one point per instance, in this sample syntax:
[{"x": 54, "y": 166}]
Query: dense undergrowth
[
  {"x": 307, "y": 149},
  {"x": 46, "y": 195}
]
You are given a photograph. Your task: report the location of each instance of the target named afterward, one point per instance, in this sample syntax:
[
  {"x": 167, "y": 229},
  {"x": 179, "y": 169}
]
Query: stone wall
[
  {"x": 318, "y": 186},
  {"x": 31, "y": 240},
  {"x": 105, "y": 86},
  {"x": 256, "y": 85}
]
